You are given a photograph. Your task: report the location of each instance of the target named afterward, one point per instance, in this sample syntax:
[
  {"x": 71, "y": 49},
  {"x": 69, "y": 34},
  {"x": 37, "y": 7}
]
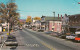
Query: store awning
[{"x": 43, "y": 26}]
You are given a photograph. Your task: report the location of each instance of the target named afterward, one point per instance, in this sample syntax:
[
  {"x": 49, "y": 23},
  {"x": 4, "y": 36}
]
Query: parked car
[
  {"x": 62, "y": 36},
  {"x": 71, "y": 37},
  {"x": 11, "y": 37},
  {"x": 77, "y": 38},
  {"x": 30, "y": 27},
  {"x": 33, "y": 29},
  {"x": 49, "y": 32},
  {"x": 16, "y": 29},
  {"x": 20, "y": 28},
  {"x": 40, "y": 30},
  {"x": 55, "y": 34},
  {"x": 11, "y": 41}
]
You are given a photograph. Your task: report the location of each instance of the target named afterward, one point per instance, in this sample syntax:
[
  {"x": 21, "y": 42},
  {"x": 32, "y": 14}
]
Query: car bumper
[{"x": 11, "y": 43}]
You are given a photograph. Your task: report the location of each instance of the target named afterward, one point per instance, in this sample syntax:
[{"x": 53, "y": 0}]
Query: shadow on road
[{"x": 13, "y": 48}]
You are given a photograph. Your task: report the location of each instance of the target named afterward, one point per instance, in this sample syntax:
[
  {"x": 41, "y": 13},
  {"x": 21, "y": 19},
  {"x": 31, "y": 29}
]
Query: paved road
[
  {"x": 54, "y": 43},
  {"x": 27, "y": 42},
  {"x": 31, "y": 40}
]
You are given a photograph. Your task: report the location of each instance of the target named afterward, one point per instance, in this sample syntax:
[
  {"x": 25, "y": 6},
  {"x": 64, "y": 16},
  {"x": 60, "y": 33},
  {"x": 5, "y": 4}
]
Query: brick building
[{"x": 49, "y": 23}]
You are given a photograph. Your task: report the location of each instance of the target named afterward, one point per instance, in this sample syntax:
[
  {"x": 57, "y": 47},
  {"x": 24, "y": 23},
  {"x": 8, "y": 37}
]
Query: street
[
  {"x": 30, "y": 40},
  {"x": 40, "y": 25}
]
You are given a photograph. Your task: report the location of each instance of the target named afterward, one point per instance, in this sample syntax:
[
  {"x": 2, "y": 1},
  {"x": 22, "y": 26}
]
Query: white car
[
  {"x": 11, "y": 41},
  {"x": 71, "y": 37}
]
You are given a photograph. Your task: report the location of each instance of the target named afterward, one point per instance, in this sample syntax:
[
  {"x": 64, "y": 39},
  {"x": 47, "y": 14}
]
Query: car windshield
[
  {"x": 11, "y": 37},
  {"x": 78, "y": 35},
  {"x": 10, "y": 40},
  {"x": 73, "y": 35}
]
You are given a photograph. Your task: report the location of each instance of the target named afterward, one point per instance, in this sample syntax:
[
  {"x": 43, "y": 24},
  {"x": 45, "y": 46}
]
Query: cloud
[{"x": 23, "y": 16}]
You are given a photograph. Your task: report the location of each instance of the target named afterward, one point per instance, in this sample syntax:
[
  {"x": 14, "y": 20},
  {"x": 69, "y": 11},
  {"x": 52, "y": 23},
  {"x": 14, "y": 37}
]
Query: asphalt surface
[
  {"x": 53, "y": 42},
  {"x": 31, "y": 40},
  {"x": 31, "y": 43}
]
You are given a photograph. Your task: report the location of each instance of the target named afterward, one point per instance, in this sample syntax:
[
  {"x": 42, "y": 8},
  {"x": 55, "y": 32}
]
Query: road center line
[{"x": 42, "y": 42}]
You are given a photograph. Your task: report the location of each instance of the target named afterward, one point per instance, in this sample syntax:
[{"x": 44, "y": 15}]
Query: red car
[{"x": 77, "y": 38}]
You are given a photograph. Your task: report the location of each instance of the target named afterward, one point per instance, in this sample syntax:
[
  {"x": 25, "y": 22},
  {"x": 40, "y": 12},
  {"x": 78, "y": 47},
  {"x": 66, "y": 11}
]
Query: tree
[
  {"x": 29, "y": 19},
  {"x": 9, "y": 13},
  {"x": 37, "y": 18}
]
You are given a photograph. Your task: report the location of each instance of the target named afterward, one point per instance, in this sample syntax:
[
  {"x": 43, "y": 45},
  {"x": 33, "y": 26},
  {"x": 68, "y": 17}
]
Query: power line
[
  {"x": 32, "y": 11},
  {"x": 75, "y": 0}
]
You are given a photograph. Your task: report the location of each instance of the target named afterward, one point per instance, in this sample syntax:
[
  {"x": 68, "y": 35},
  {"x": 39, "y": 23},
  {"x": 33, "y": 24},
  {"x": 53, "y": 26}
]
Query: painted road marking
[
  {"x": 42, "y": 42},
  {"x": 32, "y": 45},
  {"x": 47, "y": 45}
]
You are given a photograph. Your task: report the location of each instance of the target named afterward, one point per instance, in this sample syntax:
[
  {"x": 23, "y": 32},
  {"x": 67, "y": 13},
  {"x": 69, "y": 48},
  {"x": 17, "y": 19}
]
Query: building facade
[
  {"x": 51, "y": 23},
  {"x": 74, "y": 22},
  {"x": 65, "y": 21},
  {"x": 55, "y": 26}
]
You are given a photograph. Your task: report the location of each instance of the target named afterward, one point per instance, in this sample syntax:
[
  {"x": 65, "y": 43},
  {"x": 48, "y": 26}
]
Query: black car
[
  {"x": 11, "y": 37},
  {"x": 49, "y": 32},
  {"x": 40, "y": 30},
  {"x": 62, "y": 36}
]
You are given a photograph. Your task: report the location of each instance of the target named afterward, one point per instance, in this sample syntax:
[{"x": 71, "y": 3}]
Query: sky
[{"x": 37, "y": 8}]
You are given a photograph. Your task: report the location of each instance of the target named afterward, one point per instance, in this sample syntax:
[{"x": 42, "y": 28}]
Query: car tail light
[{"x": 77, "y": 38}]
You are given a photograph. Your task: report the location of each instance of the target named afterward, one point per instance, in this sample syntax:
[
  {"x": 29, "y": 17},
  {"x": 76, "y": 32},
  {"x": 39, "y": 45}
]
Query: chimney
[
  {"x": 61, "y": 17},
  {"x": 58, "y": 16},
  {"x": 78, "y": 2}
]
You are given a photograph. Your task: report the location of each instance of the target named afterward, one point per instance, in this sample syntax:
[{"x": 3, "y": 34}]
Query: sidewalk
[
  {"x": 3, "y": 38},
  {"x": 20, "y": 40}
]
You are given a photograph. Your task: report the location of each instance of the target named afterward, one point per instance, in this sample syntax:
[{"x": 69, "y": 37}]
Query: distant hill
[{"x": 22, "y": 20}]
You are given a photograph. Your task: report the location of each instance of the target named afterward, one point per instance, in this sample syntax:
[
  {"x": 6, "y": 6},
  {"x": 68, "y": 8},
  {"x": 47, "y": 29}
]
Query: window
[
  {"x": 42, "y": 18},
  {"x": 53, "y": 23}
]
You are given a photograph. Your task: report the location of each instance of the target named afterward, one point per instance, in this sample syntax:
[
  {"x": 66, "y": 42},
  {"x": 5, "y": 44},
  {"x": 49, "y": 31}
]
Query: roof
[
  {"x": 22, "y": 20},
  {"x": 74, "y": 26},
  {"x": 74, "y": 15},
  {"x": 53, "y": 18}
]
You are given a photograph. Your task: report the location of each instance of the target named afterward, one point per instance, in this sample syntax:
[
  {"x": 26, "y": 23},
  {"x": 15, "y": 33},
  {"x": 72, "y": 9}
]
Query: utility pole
[{"x": 54, "y": 14}]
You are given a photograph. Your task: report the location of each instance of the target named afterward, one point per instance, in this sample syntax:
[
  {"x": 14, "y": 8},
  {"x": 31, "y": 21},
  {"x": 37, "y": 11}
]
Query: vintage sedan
[
  {"x": 71, "y": 37},
  {"x": 11, "y": 41}
]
